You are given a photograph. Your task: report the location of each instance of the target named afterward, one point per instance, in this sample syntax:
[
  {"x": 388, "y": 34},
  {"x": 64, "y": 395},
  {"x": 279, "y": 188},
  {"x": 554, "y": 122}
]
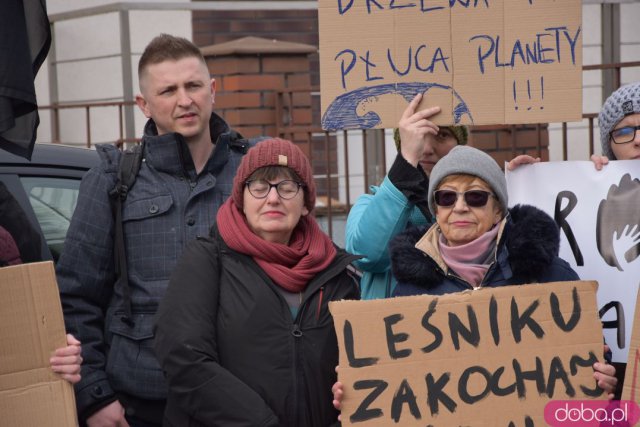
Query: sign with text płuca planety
[
  {"x": 481, "y": 61},
  {"x": 489, "y": 357}
]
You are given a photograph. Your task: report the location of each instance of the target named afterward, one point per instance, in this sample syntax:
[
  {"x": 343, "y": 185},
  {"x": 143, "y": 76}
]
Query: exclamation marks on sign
[{"x": 530, "y": 87}]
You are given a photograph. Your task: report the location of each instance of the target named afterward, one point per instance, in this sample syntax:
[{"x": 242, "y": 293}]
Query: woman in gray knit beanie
[
  {"x": 619, "y": 122},
  {"x": 477, "y": 241}
]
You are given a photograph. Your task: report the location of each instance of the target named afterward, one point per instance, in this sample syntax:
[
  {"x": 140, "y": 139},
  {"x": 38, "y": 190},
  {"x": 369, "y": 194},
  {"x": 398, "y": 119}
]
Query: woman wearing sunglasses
[
  {"x": 244, "y": 334},
  {"x": 476, "y": 241},
  {"x": 400, "y": 200}
]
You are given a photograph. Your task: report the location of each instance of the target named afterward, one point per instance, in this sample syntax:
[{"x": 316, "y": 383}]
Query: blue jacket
[
  {"x": 168, "y": 206},
  {"x": 373, "y": 221},
  {"x": 527, "y": 252}
]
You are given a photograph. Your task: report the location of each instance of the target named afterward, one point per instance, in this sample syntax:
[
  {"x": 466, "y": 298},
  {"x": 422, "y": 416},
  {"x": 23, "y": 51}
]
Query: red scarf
[{"x": 291, "y": 266}]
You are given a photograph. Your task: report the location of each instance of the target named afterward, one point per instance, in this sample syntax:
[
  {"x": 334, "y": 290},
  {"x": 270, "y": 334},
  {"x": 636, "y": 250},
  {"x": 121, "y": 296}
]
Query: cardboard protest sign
[
  {"x": 599, "y": 218},
  {"x": 481, "y": 61},
  {"x": 631, "y": 386},
  {"x": 488, "y": 357},
  {"x": 31, "y": 328}
]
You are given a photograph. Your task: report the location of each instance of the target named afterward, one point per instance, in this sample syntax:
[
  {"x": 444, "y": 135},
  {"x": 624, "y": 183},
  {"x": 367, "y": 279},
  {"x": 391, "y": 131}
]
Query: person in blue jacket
[{"x": 400, "y": 200}]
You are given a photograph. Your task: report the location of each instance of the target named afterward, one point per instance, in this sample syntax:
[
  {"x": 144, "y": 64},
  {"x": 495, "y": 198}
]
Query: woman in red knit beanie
[{"x": 244, "y": 334}]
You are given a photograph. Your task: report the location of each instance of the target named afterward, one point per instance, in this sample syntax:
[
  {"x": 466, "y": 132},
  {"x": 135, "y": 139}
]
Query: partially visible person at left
[
  {"x": 20, "y": 243},
  {"x": 19, "y": 240},
  {"x": 244, "y": 334}
]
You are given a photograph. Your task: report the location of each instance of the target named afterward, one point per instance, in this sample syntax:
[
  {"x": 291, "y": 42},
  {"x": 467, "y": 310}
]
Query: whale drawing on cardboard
[{"x": 343, "y": 112}]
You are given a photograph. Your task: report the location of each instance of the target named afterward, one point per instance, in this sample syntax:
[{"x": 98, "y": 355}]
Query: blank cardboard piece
[{"x": 31, "y": 328}]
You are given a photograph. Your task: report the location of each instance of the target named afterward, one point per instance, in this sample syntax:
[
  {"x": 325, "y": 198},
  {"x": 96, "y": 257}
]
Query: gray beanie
[
  {"x": 467, "y": 160},
  {"x": 621, "y": 103}
]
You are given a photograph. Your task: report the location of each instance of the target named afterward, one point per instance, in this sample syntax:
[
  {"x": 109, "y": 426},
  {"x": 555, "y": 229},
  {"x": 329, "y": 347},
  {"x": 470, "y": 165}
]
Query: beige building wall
[{"x": 90, "y": 67}]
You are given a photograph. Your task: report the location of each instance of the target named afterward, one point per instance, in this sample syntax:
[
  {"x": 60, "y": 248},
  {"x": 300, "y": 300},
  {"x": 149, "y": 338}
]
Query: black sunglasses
[{"x": 473, "y": 198}]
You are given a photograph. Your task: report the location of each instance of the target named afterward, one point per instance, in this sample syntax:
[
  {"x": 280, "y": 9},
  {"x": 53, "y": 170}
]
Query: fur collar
[{"x": 531, "y": 239}]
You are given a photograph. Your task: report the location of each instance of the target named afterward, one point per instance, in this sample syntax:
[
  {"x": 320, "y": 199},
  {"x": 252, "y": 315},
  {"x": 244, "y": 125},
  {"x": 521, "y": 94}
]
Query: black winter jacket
[
  {"x": 527, "y": 252},
  {"x": 232, "y": 353}
]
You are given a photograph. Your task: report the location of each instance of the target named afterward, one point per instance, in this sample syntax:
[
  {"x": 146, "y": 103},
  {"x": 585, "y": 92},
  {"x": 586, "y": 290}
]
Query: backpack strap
[{"x": 128, "y": 169}]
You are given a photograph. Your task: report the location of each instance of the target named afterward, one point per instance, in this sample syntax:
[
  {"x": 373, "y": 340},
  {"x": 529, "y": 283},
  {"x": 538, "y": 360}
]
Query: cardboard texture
[
  {"x": 31, "y": 328},
  {"x": 631, "y": 385},
  {"x": 422, "y": 360},
  {"x": 481, "y": 61}
]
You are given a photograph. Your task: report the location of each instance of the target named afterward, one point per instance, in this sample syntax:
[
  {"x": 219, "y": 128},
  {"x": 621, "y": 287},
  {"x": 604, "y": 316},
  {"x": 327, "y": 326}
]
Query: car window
[{"x": 53, "y": 201}]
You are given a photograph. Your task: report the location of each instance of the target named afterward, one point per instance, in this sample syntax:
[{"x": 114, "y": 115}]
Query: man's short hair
[{"x": 166, "y": 47}]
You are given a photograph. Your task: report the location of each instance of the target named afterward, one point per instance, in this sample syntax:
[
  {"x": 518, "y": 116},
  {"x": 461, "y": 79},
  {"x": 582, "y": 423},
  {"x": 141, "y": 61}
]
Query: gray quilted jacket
[{"x": 167, "y": 207}]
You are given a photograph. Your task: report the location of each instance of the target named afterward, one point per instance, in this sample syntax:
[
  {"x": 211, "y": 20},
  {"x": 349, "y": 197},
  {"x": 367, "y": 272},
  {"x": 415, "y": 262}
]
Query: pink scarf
[
  {"x": 291, "y": 266},
  {"x": 470, "y": 261}
]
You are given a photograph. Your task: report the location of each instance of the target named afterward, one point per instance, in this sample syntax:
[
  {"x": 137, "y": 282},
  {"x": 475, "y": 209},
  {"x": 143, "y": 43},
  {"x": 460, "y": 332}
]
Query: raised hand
[{"x": 414, "y": 130}]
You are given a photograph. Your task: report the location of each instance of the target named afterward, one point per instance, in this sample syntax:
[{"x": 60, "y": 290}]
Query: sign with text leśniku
[{"x": 488, "y": 357}]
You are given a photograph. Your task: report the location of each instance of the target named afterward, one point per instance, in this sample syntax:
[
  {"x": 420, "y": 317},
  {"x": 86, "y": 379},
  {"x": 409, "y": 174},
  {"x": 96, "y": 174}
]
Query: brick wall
[
  {"x": 250, "y": 72},
  {"x": 213, "y": 27},
  {"x": 505, "y": 142}
]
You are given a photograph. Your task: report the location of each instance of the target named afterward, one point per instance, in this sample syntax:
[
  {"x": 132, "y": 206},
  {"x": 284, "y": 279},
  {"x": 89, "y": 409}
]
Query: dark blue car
[{"x": 47, "y": 188}]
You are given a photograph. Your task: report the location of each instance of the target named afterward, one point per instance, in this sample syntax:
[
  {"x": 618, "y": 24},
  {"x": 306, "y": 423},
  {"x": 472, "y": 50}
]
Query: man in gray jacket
[{"x": 190, "y": 157}]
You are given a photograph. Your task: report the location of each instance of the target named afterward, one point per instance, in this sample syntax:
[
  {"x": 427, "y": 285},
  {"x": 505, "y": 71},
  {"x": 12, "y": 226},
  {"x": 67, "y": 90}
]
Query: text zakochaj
[{"x": 453, "y": 359}]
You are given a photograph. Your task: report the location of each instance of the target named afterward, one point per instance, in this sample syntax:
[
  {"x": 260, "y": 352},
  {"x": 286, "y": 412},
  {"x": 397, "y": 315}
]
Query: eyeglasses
[
  {"x": 287, "y": 189},
  {"x": 473, "y": 198},
  {"x": 624, "y": 135}
]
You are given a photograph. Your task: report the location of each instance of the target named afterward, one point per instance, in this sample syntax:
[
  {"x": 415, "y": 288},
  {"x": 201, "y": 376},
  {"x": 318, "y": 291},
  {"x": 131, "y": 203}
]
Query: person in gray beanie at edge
[
  {"x": 619, "y": 122},
  {"x": 478, "y": 242},
  {"x": 401, "y": 198}
]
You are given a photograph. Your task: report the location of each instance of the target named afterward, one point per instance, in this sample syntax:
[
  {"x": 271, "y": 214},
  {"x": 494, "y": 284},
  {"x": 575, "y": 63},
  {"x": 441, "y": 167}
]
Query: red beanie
[{"x": 275, "y": 152}]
